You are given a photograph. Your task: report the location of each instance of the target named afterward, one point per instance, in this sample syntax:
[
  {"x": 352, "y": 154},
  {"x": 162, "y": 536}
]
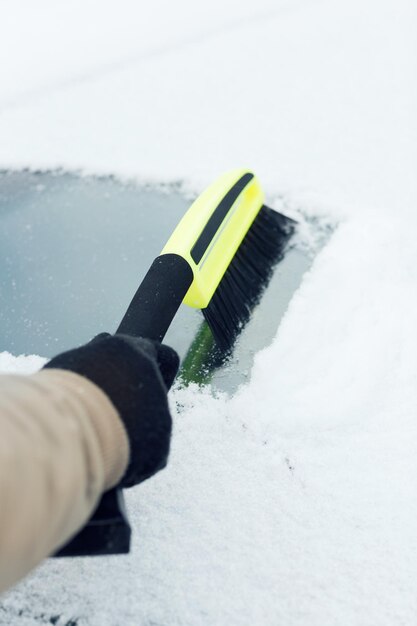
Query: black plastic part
[
  {"x": 158, "y": 298},
  {"x": 149, "y": 315},
  {"x": 107, "y": 532},
  {"x": 217, "y": 217}
]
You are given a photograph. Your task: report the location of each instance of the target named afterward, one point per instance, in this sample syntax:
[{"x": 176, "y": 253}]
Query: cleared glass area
[{"x": 73, "y": 251}]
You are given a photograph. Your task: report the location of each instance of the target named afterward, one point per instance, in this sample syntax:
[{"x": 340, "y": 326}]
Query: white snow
[
  {"x": 295, "y": 501},
  {"x": 22, "y": 364}
]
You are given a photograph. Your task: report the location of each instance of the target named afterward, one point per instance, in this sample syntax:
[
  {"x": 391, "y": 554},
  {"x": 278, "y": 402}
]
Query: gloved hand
[{"x": 135, "y": 374}]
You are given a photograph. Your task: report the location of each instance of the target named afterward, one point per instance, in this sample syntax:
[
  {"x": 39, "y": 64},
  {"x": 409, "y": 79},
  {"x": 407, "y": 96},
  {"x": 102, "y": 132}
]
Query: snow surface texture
[
  {"x": 294, "y": 502},
  {"x": 23, "y": 364}
]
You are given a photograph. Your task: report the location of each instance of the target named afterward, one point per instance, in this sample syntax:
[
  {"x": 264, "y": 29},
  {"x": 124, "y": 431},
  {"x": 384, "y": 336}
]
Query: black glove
[{"x": 135, "y": 374}]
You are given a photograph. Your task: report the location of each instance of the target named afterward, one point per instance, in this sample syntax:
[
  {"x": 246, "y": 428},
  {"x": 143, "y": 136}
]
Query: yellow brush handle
[{"x": 212, "y": 230}]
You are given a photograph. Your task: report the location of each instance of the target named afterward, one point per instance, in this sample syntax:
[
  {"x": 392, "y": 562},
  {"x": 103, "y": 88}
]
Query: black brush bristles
[{"x": 247, "y": 276}]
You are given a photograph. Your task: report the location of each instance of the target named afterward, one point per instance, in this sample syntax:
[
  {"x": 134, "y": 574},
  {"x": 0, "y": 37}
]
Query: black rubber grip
[{"x": 158, "y": 298}]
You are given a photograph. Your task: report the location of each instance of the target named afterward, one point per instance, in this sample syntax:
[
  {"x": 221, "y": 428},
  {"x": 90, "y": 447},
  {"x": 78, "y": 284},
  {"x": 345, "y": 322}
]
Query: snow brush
[{"x": 218, "y": 259}]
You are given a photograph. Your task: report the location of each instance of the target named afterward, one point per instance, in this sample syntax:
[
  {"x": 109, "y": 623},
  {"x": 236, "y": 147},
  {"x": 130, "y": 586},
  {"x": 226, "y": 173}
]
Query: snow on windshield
[{"x": 294, "y": 501}]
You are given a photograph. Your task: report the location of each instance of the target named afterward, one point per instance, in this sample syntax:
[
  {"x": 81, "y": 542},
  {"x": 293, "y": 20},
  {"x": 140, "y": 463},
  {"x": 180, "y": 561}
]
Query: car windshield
[{"x": 73, "y": 252}]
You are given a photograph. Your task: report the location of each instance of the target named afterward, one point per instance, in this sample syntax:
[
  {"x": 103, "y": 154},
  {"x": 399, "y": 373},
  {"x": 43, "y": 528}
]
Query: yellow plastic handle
[{"x": 212, "y": 230}]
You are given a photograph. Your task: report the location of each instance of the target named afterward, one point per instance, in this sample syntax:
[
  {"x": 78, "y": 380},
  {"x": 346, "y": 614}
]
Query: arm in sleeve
[{"x": 62, "y": 444}]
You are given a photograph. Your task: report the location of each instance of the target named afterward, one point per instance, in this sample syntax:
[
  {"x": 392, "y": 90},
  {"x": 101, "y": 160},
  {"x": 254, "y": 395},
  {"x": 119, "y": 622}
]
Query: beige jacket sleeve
[{"x": 62, "y": 444}]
